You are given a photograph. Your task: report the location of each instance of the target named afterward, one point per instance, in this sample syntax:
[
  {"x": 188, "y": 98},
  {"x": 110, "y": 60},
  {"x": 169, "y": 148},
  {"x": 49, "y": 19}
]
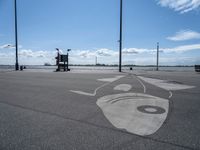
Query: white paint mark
[
  {"x": 123, "y": 87},
  {"x": 144, "y": 87},
  {"x": 89, "y": 94},
  {"x": 110, "y": 79},
  {"x": 170, "y": 94},
  {"x": 122, "y": 111},
  {"x": 151, "y": 110},
  {"x": 82, "y": 93},
  {"x": 166, "y": 84},
  {"x": 95, "y": 91}
]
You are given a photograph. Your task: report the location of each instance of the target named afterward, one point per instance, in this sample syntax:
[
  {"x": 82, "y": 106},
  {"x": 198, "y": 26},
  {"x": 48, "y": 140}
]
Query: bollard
[{"x": 21, "y": 68}]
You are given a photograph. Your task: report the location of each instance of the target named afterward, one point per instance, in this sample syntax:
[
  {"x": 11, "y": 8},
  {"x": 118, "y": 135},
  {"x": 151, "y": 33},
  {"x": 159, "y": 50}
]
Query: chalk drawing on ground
[{"x": 137, "y": 113}]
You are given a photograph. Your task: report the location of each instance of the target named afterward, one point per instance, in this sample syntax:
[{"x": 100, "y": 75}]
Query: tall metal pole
[
  {"x": 95, "y": 60},
  {"x": 68, "y": 59},
  {"x": 120, "y": 37},
  {"x": 157, "y": 65},
  {"x": 16, "y": 38}
]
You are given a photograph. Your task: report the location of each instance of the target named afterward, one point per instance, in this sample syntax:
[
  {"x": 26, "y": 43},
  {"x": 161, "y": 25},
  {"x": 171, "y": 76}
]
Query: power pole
[
  {"x": 95, "y": 60},
  {"x": 16, "y": 37},
  {"x": 157, "y": 65},
  {"x": 120, "y": 37}
]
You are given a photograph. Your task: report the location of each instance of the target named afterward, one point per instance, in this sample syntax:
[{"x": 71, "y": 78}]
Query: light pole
[
  {"x": 58, "y": 59},
  {"x": 157, "y": 68},
  {"x": 95, "y": 60},
  {"x": 16, "y": 38},
  {"x": 120, "y": 37},
  {"x": 68, "y": 59}
]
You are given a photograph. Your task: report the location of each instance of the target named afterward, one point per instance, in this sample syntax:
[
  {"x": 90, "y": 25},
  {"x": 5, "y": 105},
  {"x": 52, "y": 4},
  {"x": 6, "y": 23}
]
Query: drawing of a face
[{"x": 137, "y": 113}]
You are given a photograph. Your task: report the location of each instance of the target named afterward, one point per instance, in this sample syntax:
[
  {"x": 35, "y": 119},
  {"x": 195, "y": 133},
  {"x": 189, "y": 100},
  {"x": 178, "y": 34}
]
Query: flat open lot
[{"x": 135, "y": 110}]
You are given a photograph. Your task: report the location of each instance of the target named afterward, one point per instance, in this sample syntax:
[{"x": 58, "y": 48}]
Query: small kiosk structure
[{"x": 62, "y": 61}]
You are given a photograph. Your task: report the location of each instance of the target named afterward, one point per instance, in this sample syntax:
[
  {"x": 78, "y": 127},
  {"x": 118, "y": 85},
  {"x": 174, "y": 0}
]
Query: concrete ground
[{"x": 39, "y": 110}]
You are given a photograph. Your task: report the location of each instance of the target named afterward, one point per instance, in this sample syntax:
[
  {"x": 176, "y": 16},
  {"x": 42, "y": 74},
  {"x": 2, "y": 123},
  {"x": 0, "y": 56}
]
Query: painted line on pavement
[
  {"x": 144, "y": 87},
  {"x": 108, "y": 80},
  {"x": 170, "y": 94},
  {"x": 164, "y": 84}
]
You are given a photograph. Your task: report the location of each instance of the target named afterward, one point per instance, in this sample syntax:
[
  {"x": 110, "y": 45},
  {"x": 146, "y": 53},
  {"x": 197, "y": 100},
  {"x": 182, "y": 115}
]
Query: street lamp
[
  {"x": 120, "y": 38},
  {"x": 157, "y": 65},
  {"x": 16, "y": 38},
  {"x": 68, "y": 50},
  {"x": 68, "y": 59}
]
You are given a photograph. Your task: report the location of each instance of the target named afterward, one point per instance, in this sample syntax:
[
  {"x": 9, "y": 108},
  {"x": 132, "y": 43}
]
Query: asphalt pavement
[{"x": 68, "y": 110}]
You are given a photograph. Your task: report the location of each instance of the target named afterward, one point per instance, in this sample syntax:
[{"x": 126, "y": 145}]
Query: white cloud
[
  {"x": 184, "y": 35},
  {"x": 106, "y": 56},
  {"x": 36, "y": 54},
  {"x": 105, "y": 52},
  {"x": 6, "y": 46},
  {"x": 130, "y": 51},
  {"x": 83, "y": 54},
  {"x": 182, "y": 48},
  {"x": 92, "y": 53},
  {"x": 182, "y": 6},
  {"x": 109, "y": 53},
  {"x": 9, "y": 46}
]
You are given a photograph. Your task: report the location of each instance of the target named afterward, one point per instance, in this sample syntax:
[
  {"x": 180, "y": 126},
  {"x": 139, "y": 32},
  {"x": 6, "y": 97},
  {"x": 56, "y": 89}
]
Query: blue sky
[{"x": 91, "y": 29}]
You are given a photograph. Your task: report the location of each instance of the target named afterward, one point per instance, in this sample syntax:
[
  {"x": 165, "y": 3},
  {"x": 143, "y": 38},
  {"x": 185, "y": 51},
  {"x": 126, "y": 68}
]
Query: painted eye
[
  {"x": 123, "y": 87},
  {"x": 137, "y": 113},
  {"x": 149, "y": 109}
]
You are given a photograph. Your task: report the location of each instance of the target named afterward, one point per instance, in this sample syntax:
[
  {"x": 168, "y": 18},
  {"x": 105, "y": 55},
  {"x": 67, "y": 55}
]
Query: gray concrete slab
[{"x": 38, "y": 111}]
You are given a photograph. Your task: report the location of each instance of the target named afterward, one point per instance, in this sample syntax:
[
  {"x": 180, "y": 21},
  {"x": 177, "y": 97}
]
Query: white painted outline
[
  {"x": 166, "y": 85},
  {"x": 111, "y": 79},
  {"x": 163, "y": 84},
  {"x": 90, "y": 94},
  {"x": 123, "y": 87},
  {"x": 170, "y": 94},
  {"x": 95, "y": 91},
  {"x": 141, "y": 84}
]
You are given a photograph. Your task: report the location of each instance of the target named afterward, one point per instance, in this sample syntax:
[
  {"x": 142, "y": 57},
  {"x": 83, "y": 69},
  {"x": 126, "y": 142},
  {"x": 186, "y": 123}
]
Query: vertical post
[
  {"x": 58, "y": 59},
  {"x": 120, "y": 38},
  {"x": 95, "y": 60},
  {"x": 65, "y": 66},
  {"x": 67, "y": 61},
  {"x": 157, "y": 65},
  {"x": 16, "y": 38}
]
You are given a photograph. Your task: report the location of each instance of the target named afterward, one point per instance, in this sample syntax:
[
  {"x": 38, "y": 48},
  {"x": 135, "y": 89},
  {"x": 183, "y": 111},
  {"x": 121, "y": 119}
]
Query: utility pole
[
  {"x": 95, "y": 60},
  {"x": 16, "y": 38},
  {"x": 120, "y": 37},
  {"x": 157, "y": 65},
  {"x": 68, "y": 59}
]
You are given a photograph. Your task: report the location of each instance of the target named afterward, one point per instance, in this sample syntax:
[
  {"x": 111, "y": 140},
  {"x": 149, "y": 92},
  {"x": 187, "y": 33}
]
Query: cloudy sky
[{"x": 91, "y": 29}]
